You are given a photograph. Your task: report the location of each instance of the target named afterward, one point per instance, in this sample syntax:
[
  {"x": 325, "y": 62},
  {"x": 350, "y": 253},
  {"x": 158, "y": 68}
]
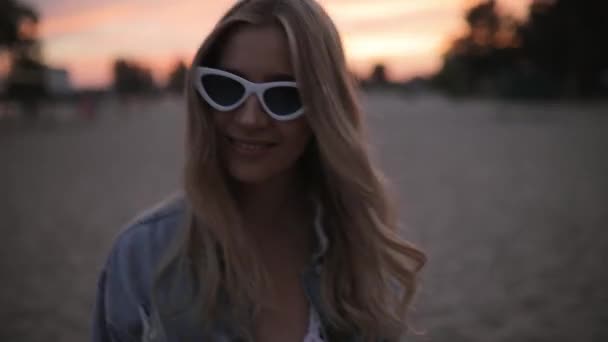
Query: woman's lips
[{"x": 250, "y": 148}]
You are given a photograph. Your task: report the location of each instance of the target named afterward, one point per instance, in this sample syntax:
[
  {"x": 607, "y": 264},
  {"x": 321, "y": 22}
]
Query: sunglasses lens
[
  {"x": 222, "y": 90},
  {"x": 283, "y": 101}
]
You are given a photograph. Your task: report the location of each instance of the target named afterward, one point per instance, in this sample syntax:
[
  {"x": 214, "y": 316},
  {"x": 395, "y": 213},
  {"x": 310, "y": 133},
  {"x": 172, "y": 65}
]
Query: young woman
[{"x": 284, "y": 231}]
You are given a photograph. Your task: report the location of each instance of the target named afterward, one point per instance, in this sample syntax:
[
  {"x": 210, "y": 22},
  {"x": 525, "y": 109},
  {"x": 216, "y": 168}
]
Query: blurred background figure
[{"x": 490, "y": 118}]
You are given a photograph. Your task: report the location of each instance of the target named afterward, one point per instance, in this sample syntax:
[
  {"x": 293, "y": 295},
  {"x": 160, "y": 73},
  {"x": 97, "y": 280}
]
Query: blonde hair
[{"x": 369, "y": 273}]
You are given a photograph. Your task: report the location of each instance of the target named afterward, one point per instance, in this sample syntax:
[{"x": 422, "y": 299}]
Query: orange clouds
[
  {"x": 187, "y": 15},
  {"x": 407, "y": 34},
  {"x": 154, "y": 33},
  {"x": 88, "y": 19}
]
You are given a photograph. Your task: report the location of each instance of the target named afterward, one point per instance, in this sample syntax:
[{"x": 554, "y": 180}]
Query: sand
[{"x": 510, "y": 202}]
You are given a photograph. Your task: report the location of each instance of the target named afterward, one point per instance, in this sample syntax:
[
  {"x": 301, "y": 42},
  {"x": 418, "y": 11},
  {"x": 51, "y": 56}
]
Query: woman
[{"x": 285, "y": 231}]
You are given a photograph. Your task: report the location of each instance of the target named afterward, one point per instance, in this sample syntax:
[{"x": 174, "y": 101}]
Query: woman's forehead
[{"x": 257, "y": 52}]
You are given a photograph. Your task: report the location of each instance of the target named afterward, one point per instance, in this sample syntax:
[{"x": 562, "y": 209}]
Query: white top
[
  {"x": 314, "y": 328},
  {"x": 314, "y": 322}
]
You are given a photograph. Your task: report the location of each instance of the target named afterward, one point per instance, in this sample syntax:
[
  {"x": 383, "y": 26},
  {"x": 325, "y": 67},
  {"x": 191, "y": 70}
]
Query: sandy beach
[{"x": 510, "y": 202}]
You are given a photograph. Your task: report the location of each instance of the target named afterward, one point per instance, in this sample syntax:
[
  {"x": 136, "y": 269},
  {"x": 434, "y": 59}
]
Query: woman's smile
[{"x": 250, "y": 148}]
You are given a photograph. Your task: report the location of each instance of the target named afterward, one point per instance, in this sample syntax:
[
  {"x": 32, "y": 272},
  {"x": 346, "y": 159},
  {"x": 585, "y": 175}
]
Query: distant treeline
[
  {"x": 30, "y": 79},
  {"x": 131, "y": 78},
  {"x": 560, "y": 50}
]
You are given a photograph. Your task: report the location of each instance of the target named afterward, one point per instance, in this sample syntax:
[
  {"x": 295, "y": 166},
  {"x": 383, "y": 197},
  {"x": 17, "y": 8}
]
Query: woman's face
[{"x": 254, "y": 147}]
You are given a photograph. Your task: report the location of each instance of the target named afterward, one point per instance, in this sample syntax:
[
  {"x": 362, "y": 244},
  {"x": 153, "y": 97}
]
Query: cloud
[
  {"x": 375, "y": 46},
  {"x": 88, "y": 20},
  {"x": 147, "y": 31},
  {"x": 342, "y": 10},
  {"x": 84, "y": 33}
]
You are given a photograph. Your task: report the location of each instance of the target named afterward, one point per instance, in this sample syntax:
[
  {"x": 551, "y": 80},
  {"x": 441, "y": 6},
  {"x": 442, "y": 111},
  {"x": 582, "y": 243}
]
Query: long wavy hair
[{"x": 369, "y": 275}]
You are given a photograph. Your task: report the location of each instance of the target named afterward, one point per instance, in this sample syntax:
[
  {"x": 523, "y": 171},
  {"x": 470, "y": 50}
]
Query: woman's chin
[{"x": 250, "y": 176}]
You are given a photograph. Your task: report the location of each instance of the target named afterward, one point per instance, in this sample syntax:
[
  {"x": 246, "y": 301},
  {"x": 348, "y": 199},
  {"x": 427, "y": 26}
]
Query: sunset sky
[{"x": 84, "y": 36}]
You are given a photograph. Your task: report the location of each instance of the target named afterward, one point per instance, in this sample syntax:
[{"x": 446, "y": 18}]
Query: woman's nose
[{"x": 251, "y": 113}]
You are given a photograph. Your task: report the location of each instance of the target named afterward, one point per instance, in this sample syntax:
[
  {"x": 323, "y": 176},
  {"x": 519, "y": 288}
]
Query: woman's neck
[{"x": 272, "y": 203}]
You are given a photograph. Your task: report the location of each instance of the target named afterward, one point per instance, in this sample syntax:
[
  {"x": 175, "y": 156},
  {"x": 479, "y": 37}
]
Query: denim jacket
[{"x": 123, "y": 311}]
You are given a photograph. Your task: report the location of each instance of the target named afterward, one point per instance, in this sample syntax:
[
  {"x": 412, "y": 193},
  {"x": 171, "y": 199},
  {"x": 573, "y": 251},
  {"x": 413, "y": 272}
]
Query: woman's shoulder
[
  {"x": 165, "y": 212},
  {"x": 128, "y": 273},
  {"x": 140, "y": 244},
  {"x": 151, "y": 231}
]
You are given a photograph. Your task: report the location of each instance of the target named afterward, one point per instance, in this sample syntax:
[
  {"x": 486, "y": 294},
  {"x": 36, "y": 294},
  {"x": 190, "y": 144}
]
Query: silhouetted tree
[
  {"x": 378, "y": 75},
  {"x": 177, "y": 78},
  {"x": 559, "y": 50},
  {"x": 132, "y": 78},
  {"x": 18, "y": 34},
  {"x": 12, "y": 14},
  {"x": 567, "y": 39},
  {"x": 486, "y": 52},
  {"x": 377, "y": 78}
]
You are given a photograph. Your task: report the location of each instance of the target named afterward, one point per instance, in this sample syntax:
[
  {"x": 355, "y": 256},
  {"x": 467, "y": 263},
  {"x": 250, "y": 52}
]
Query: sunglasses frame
[{"x": 250, "y": 88}]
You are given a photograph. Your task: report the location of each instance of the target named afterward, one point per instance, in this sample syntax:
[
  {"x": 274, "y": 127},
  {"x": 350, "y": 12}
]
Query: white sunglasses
[{"x": 225, "y": 91}]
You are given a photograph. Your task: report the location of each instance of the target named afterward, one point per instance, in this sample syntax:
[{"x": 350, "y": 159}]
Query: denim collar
[{"x": 186, "y": 327}]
